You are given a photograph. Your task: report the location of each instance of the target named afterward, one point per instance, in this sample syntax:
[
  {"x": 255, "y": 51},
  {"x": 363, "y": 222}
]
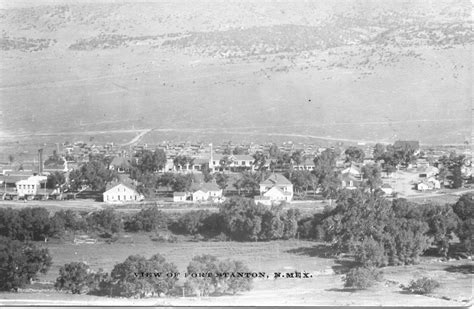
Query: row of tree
[
  {"x": 380, "y": 232},
  {"x": 21, "y": 263}
]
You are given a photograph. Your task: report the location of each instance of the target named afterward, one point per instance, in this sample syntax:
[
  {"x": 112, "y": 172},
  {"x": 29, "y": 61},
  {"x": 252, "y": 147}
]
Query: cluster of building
[{"x": 32, "y": 182}]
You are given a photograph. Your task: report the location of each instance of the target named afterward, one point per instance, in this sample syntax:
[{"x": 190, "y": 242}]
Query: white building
[
  {"x": 275, "y": 189},
  {"x": 121, "y": 193},
  {"x": 30, "y": 186},
  {"x": 207, "y": 192}
]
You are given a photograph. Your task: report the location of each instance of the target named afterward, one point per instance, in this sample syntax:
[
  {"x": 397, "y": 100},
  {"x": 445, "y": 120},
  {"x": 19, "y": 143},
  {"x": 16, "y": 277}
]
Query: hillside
[{"x": 352, "y": 70}]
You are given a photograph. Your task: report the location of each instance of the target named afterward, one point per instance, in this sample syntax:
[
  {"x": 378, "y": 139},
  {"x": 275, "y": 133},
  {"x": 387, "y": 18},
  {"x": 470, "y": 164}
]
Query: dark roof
[
  {"x": 120, "y": 161},
  {"x": 205, "y": 187},
  {"x": 276, "y": 179}
]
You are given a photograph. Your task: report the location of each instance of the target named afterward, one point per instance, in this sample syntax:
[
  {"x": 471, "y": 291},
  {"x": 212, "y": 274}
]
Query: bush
[
  {"x": 137, "y": 277},
  {"x": 150, "y": 219},
  {"x": 20, "y": 263},
  {"x": 72, "y": 221},
  {"x": 423, "y": 285},
  {"x": 464, "y": 210},
  {"x": 74, "y": 277},
  {"x": 28, "y": 224},
  {"x": 362, "y": 278},
  {"x": 105, "y": 221},
  {"x": 370, "y": 253},
  {"x": 217, "y": 276}
]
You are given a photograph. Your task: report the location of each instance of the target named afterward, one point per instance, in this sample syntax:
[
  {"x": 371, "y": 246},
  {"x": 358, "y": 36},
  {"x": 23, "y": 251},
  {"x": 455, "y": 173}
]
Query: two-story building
[{"x": 275, "y": 189}]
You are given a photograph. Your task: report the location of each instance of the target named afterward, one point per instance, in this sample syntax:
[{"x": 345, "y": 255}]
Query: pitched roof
[
  {"x": 115, "y": 184},
  {"x": 276, "y": 179},
  {"x": 277, "y": 190},
  {"x": 120, "y": 161},
  {"x": 206, "y": 187}
]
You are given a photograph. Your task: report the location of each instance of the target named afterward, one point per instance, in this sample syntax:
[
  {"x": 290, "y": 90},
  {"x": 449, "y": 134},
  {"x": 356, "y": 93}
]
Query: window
[
  {"x": 243, "y": 162},
  {"x": 118, "y": 197}
]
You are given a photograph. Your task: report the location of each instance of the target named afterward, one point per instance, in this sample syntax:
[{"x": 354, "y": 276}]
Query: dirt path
[{"x": 137, "y": 138}]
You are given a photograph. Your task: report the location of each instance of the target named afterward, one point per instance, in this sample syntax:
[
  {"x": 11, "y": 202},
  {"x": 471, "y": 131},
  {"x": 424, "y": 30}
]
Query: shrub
[
  {"x": 28, "y": 224},
  {"x": 105, "y": 221},
  {"x": 362, "y": 278},
  {"x": 217, "y": 276},
  {"x": 464, "y": 210},
  {"x": 72, "y": 221},
  {"x": 20, "y": 263},
  {"x": 150, "y": 219},
  {"x": 370, "y": 253},
  {"x": 137, "y": 277},
  {"x": 423, "y": 285},
  {"x": 74, "y": 277}
]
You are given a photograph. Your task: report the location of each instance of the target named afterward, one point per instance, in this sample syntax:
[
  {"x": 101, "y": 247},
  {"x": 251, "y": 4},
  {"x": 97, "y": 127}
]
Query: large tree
[
  {"x": 372, "y": 175},
  {"x": 20, "y": 263},
  {"x": 93, "y": 174},
  {"x": 354, "y": 154},
  {"x": 150, "y": 161}
]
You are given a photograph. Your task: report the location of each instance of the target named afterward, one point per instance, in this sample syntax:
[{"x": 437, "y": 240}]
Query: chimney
[{"x": 40, "y": 161}]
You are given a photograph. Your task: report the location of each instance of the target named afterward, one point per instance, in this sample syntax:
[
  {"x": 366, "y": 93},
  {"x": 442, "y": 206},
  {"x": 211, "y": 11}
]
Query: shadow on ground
[
  {"x": 463, "y": 269},
  {"x": 320, "y": 250}
]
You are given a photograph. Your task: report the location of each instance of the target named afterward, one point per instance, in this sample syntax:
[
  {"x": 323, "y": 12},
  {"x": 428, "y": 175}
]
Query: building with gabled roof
[
  {"x": 203, "y": 192},
  {"x": 121, "y": 193},
  {"x": 275, "y": 189}
]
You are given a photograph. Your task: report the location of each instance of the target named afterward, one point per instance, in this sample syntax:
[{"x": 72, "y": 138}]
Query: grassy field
[{"x": 324, "y": 288}]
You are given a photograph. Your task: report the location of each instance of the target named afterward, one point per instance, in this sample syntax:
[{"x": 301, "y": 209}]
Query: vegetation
[
  {"x": 422, "y": 286},
  {"x": 149, "y": 219},
  {"x": 362, "y": 278},
  {"x": 20, "y": 263},
  {"x": 141, "y": 277},
  {"x": 93, "y": 174},
  {"x": 217, "y": 277}
]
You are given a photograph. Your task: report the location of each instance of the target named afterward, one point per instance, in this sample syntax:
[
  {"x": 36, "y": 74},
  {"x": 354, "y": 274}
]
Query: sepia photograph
[{"x": 236, "y": 153}]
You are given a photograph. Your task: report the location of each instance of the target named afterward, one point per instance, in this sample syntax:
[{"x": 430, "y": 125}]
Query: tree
[
  {"x": 297, "y": 157},
  {"x": 225, "y": 162},
  {"x": 242, "y": 218},
  {"x": 150, "y": 161},
  {"x": 105, "y": 221},
  {"x": 354, "y": 154},
  {"x": 457, "y": 177},
  {"x": 206, "y": 172},
  {"x": 360, "y": 217},
  {"x": 372, "y": 174},
  {"x": 238, "y": 150},
  {"x": 221, "y": 279},
  {"x": 182, "y": 183},
  {"x": 141, "y": 277},
  {"x": 204, "y": 264},
  {"x": 55, "y": 180},
  {"x": 74, "y": 277},
  {"x": 259, "y": 160},
  {"x": 464, "y": 209},
  {"x": 222, "y": 180},
  {"x": 324, "y": 163},
  {"x": 379, "y": 150},
  {"x": 94, "y": 174},
  {"x": 148, "y": 220},
  {"x": 273, "y": 151},
  {"x": 20, "y": 263},
  {"x": 182, "y": 161}
]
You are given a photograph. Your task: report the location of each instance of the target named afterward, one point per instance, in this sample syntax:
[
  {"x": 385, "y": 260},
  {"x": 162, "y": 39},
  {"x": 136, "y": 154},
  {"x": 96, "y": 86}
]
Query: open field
[
  {"x": 245, "y": 71},
  {"x": 324, "y": 288}
]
